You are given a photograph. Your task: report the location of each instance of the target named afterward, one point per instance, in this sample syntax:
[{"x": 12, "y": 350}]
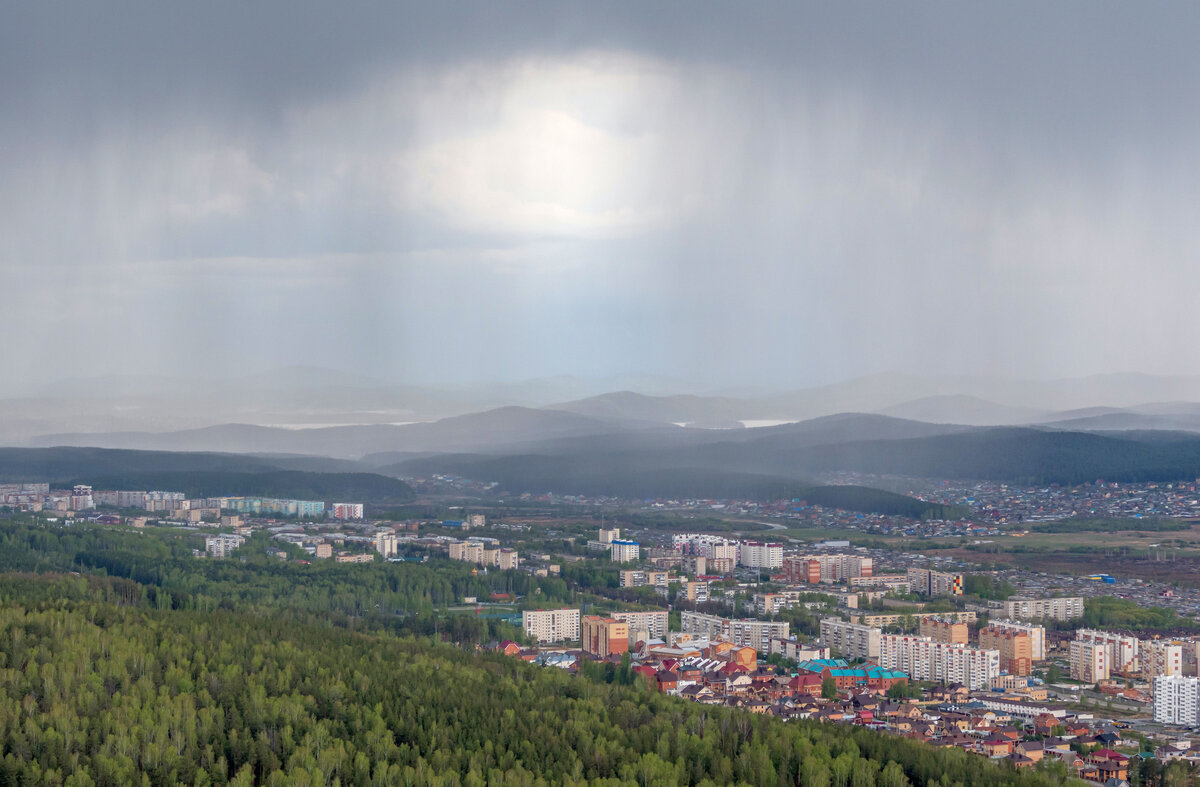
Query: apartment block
[
  {"x": 222, "y": 545},
  {"x": 850, "y": 640},
  {"x": 551, "y": 625},
  {"x": 941, "y": 629},
  {"x": 706, "y": 545},
  {"x": 1089, "y": 661},
  {"x": 323, "y": 551},
  {"x": 826, "y": 568},
  {"x": 609, "y": 535},
  {"x": 1123, "y": 651},
  {"x": 651, "y": 624},
  {"x": 624, "y": 551},
  {"x": 696, "y": 592},
  {"x": 636, "y": 578},
  {"x": 602, "y": 637},
  {"x": 386, "y": 543},
  {"x": 941, "y": 662},
  {"x": 897, "y": 618},
  {"x": 885, "y": 582},
  {"x": 756, "y": 554},
  {"x": 755, "y": 634},
  {"x": 347, "y": 510},
  {"x": 1177, "y": 700},
  {"x": 1037, "y": 635},
  {"x": 696, "y": 565},
  {"x": 769, "y": 603},
  {"x": 1161, "y": 657},
  {"x": 1015, "y": 648},
  {"x": 925, "y": 582},
  {"x": 1025, "y": 608}
]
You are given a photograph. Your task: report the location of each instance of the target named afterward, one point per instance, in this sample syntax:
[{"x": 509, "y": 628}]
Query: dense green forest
[
  {"x": 178, "y": 670},
  {"x": 1108, "y": 525},
  {"x": 100, "y": 688}
]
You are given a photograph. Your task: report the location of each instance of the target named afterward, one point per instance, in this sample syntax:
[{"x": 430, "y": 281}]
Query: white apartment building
[
  {"x": 755, "y": 634},
  {"x": 1176, "y": 699},
  {"x": 386, "y": 543},
  {"x": 756, "y": 554},
  {"x": 942, "y": 662},
  {"x": 1025, "y": 608},
  {"x": 624, "y": 551},
  {"x": 222, "y": 545},
  {"x": 1122, "y": 651},
  {"x": 347, "y": 510},
  {"x": 850, "y": 640},
  {"x": 551, "y": 625},
  {"x": 1089, "y": 661},
  {"x": 1037, "y": 635},
  {"x": 636, "y": 578},
  {"x": 1161, "y": 657},
  {"x": 706, "y": 545},
  {"x": 609, "y": 535},
  {"x": 652, "y": 623}
]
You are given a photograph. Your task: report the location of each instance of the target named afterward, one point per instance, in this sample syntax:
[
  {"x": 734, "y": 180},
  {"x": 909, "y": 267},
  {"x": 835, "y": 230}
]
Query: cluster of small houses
[{"x": 946, "y": 716}]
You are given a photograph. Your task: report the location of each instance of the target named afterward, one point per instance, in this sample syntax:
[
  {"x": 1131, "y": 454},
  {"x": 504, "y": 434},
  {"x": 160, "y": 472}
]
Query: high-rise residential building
[
  {"x": 1026, "y": 608},
  {"x": 756, "y": 554},
  {"x": 602, "y": 637},
  {"x": 469, "y": 551},
  {"x": 347, "y": 510},
  {"x": 769, "y": 603},
  {"x": 850, "y": 640},
  {"x": 941, "y": 629},
  {"x": 755, "y": 634},
  {"x": 1177, "y": 700},
  {"x": 1037, "y": 635},
  {"x": 507, "y": 559},
  {"x": 386, "y": 543},
  {"x": 1123, "y": 651},
  {"x": 1015, "y": 648},
  {"x": 551, "y": 625},
  {"x": 609, "y": 535},
  {"x": 1089, "y": 661},
  {"x": 696, "y": 592},
  {"x": 650, "y": 623},
  {"x": 624, "y": 551},
  {"x": 925, "y": 582},
  {"x": 1161, "y": 657},
  {"x": 696, "y": 565},
  {"x": 942, "y": 662},
  {"x": 635, "y": 578},
  {"x": 826, "y": 568},
  {"x": 223, "y": 544}
]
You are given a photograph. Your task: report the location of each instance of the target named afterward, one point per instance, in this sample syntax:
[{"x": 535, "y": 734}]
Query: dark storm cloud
[{"x": 777, "y": 191}]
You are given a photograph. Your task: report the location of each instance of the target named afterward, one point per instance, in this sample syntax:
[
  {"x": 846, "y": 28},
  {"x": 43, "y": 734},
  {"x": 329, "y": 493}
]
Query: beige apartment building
[{"x": 551, "y": 625}]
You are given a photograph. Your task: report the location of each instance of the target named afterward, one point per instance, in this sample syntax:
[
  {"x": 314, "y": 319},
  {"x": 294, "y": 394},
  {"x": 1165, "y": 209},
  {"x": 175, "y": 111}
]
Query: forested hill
[{"x": 96, "y": 692}]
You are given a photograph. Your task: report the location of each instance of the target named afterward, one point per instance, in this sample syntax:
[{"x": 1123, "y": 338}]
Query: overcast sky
[{"x": 742, "y": 193}]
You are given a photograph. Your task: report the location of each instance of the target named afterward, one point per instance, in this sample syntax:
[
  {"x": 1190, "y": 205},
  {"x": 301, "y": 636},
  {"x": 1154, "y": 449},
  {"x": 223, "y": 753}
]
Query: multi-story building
[
  {"x": 941, "y": 629},
  {"x": 623, "y": 551},
  {"x": 1015, "y": 648},
  {"x": 942, "y": 662},
  {"x": 551, "y": 625},
  {"x": 695, "y": 565},
  {"x": 755, "y": 634},
  {"x": 475, "y": 520},
  {"x": 602, "y": 637},
  {"x": 798, "y": 651},
  {"x": 469, "y": 551},
  {"x": 879, "y": 619},
  {"x": 850, "y": 640},
  {"x": 1025, "y": 608},
  {"x": 647, "y": 624},
  {"x": 898, "y": 582},
  {"x": 1089, "y": 661},
  {"x": 705, "y": 545},
  {"x": 756, "y": 554},
  {"x": 221, "y": 545},
  {"x": 1177, "y": 700},
  {"x": 1122, "y": 650},
  {"x": 696, "y": 592},
  {"x": 1037, "y": 635},
  {"x": 507, "y": 559},
  {"x": 347, "y": 510},
  {"x": 310, "y": 509},
  {"x": 386, "y": 543},
  {"x": 826, "y": 568},
  {"x": 769, "y": 603},
  {"x": 636, "y": 578},
  {"x": 1161, "y": 657},
  {"x": 323, "y": 551},
  {"x": 362, "y": 557},
  {"x": 926, "y": 582}
]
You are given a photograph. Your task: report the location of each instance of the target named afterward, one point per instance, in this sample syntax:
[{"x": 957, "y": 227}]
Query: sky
[{"x": 732, "y": 194}]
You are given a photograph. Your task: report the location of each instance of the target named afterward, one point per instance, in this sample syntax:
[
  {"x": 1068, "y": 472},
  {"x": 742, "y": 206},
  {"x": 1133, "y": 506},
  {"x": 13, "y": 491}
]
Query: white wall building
[
  {"x": 624, "y": 551},
  {"x": 755, "y": 634},
  {"x": 943, "y": 662},
  {"x": 1176, "y": 699},
  {"x": 850, "y": 640},
  {"x": 652, "y": 623},
  {"x": 1025, "y": 608},
  {"x": 551, "y": 625},
  {"x": 386, "y": 543},
  {"x": 756, "y": 554},
  {"x": 221, "y": 545},
  {"x": 1123, "y": 651}
]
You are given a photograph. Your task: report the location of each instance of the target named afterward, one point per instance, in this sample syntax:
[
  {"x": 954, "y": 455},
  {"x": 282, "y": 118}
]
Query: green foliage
[
  {"x": 868, "y": 500},
  {"x": 1120, "y": 613},
  {"x": 1109, "y": 525},
  {"x": 987, "y": 587},
  {"x": 829, "y": 689}
]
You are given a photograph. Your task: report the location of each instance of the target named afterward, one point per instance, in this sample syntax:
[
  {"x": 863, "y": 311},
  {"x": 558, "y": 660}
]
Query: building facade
[
  {"x": 1176, "y": 700},
  {"x": 850, "y": 640},
  {"x": 756, "y": 554},
  {"x": 941, "y": 662},
  {"x": 1037, "y": 635},
  {"x": 1089, "y": 661},
  {"x": 826, "y": 568},
  {"x": 652, "y": 624},
  {"x": 551, "y": 625},
  {"x": 755, "y": 634},
  {"x": 941, "y": 629},
  {"x": 624, "y": 551},
  {"x": 926, "y": 582},
  {"x": 1123, "y": 651},
  {"x": 1026, "y": 608},
  {"x": 1015, "y": 648},
  {"x": 603, "y": 637}
]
